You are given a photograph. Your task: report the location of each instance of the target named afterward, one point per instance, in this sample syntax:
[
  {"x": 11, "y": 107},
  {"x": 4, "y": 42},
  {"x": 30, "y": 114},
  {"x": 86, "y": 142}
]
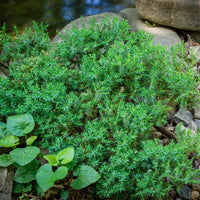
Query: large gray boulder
[
  {"x": 162, "y": 35},
  {"x": 181, "y": 14},
  {"x": 78, "y": 23}
]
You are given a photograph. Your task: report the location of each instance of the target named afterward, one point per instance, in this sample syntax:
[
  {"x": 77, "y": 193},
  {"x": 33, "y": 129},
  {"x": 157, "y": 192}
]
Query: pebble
[
  {"x": 197, "y": 122},
  {"x": 196, "y": 187},
  {"x": 173, "y": 194},
  {"x": 156, "y": 135},
  {"x": 197, "y": 111},
  {"x": 186, "y": 130},
  {"x": 166, "y": 141},
  {"x": 193, "y": 127},
  {"x": 184, "y": 116},
  {"x": 160, "y": 142},
  {"x": 194, "y": 195},
  {"x": 185, "y": 192},
  {"x": 171, "y": 128}
]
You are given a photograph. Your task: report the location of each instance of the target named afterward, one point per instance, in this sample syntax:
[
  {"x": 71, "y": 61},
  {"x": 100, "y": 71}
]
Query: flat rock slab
[
  {"x": 6, "y": 183},
  {"x": 181, "y": 14},
  {"x": 162, "y": 35},
  {"x": 78, "y": 23}
]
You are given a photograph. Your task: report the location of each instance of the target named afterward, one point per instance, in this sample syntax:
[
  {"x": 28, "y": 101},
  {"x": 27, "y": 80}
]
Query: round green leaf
[
  {"x": 30, "y": 140},
  {"x": 52, "y": 159},
  {"x": 23, "y": 156},
  {"x": 60, "y": 173},
  {"x": 27, "y": 173},
  {"x": 46, "y": 177},
  {"x": 20, "y": 125},
  {"x": 3, "y": 130},
  {"x": 66, "y": 155},
  {"x": 9, "y": 141},
  {"x": 5, "y": 160},
  {"x": 86, "y": 176}
]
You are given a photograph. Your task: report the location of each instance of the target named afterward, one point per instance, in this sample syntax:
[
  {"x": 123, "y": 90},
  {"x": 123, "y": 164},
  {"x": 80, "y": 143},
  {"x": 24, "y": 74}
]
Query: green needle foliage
[{"x": 100, "y": 90}]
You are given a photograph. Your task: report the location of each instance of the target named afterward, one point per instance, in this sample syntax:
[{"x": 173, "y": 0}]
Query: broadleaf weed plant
[
  {"x": 100, "y": 90},
  {"x": 26, "y": 160}
]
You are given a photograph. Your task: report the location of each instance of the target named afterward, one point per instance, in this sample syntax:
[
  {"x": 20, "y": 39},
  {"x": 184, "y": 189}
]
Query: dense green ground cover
[{"x": 100, "y": 90}]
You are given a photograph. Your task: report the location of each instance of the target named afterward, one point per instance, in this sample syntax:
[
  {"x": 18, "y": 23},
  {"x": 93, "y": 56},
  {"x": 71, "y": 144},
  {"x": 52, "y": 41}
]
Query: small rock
[
  {"x": 194, "y": 51},
  {"x": 197, "y": 122},
  {"x": 181, "y": 129},
  {"x": 166, "y": 141},
  {"x": 195, "y": 163},
  {"x": 156, "y": 135},
  {"x": 193, "y": 127},
  {"x": 194, "y": 195},
  {"x": 185, "y": 192},
  {"x": 184, "y": 116},
  {"x": 187, "y": 130},
  {"x": 160, "y": 142},
  {"x": 197, "y": 111},
  {"x": 196, "y": 187},
  {"x": 173, "y": 193},
  {"x": 171, "y": 128},
  {"x": 195, "y": 68}
]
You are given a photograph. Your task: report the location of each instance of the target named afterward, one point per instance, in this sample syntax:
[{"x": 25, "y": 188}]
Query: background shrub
[{"x": 100, "y": 90}]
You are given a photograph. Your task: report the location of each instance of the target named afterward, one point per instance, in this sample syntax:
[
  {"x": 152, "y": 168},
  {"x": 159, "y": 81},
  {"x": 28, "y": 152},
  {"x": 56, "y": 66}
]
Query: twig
[
  {"x": 58, "y": 186},
  {"x": 165, "y": 132},
  {"x": 32, "y": 196}
]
